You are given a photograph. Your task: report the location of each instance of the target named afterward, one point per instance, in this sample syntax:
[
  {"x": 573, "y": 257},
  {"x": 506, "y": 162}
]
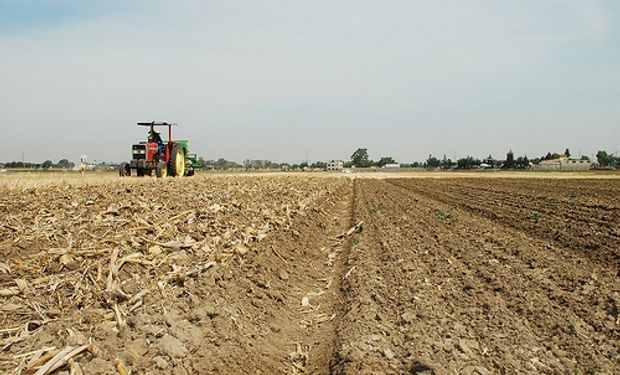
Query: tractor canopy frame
[{"x": 153, "y": 124}]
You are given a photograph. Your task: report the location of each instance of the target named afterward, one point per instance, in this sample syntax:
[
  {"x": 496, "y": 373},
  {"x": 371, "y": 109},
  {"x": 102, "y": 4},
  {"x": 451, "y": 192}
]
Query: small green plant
[
  {"x": 375, "y": 209},
  {"x": 447, "y": 216},
  {"x": 536, "y": 216},
  {"x": 355, "y": 241}
]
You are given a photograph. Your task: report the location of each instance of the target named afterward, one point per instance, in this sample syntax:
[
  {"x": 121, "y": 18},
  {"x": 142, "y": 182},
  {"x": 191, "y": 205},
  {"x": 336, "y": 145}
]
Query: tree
[
  {"x": 551, "y": 156},
  {"x": 63, "y": 163},
  {"x": 47, "y": 164},
  {"x": 490, "y": 161},
  {"x": 446, "y": 163},
  {"x": 467, "y": 163},
  {"x": 567, "y": 153},
  {"x": 222, "y": 164},
  {"x": 510, "y": 160},
  {"x": 360, "y": 158},
  {"x": 200, "y": 163},
  {"x": 585, "y": 157},
  {"x": 385, "y": 160},
  {"x": 601, "y": 157},
  {"x": 522, "y": 162},
  {"x": 318, "y": 165},
  {"x": 604, "y": 159},
  {"x": 432, "y": 162}
]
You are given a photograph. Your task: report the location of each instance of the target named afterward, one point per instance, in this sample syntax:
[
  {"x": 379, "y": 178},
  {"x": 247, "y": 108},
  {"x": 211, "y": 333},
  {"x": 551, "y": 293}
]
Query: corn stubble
[{"x": 113, "y": 247}]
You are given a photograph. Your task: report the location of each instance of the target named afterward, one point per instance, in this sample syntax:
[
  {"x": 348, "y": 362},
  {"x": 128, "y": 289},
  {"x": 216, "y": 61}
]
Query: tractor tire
[
  {"x": 124, "y": 170},
  {"x": 161, "y": 170},
  {"x": 176, "y": 164},
  {"x": 140, "y": 172}
]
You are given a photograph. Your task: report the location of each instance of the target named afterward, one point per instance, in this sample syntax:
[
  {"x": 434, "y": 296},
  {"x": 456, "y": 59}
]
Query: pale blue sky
[{"x": 274, "y": 79}]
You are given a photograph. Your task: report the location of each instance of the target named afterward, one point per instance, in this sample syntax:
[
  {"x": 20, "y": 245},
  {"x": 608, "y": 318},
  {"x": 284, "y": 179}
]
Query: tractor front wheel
[
  {"x": 161, "y": 170},
  {"x": 176, "y": 164},
  {"x": 124, "y": 169}
]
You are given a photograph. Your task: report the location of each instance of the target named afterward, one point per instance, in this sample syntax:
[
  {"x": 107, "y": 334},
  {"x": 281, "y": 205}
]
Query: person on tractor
[{"x": 154, "y": 137}]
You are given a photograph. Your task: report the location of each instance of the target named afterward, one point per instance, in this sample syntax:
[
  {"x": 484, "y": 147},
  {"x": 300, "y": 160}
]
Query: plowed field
[{"x": 301, "y": 274}]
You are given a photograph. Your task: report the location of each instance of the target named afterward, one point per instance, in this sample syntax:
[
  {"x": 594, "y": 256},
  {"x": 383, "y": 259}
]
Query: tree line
[
  {"x": 360, "y": 159},
  {"x": 48, "y": 164}
]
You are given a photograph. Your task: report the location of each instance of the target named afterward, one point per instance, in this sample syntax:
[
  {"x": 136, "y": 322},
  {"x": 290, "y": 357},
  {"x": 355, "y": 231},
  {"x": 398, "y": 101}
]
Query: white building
[
  {"x": 335, "y": 165},
  {"x": 564, "y": 165},
  {"x": 391, "y": 166}
]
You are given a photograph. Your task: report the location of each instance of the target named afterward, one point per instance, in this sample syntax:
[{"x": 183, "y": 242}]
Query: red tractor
[{"x": 171, "y": 158}]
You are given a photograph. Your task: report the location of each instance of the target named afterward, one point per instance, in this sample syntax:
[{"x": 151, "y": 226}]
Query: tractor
[{"x": 171, "y": 158}]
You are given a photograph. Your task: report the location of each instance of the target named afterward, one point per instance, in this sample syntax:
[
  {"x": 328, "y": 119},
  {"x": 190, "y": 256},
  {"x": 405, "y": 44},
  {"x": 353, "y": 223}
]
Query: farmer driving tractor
[
  {"x": 170, "y": 158},
  {"x": 154, "y": 137}
]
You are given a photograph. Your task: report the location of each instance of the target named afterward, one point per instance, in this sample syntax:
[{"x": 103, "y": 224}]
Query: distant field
[
  {"x": 42, "y": 178},
  {"x": 405, "y": 173}
]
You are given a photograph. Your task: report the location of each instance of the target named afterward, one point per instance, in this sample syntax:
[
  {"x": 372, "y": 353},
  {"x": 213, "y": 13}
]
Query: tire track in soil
[
  {"x": 322, "y": 341},
  {"x": 301, "y": 270}
]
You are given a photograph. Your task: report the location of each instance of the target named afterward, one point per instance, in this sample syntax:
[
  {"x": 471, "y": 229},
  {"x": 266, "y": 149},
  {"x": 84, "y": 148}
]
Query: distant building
[
  {"x": 335, "y": 165},
  {"x": 391, "y": 166},
  {"x": 563, "y": 164}
]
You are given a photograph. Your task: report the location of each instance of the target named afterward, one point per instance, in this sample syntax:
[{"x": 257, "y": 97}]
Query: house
[
  {"x": 563, "y": 164},
  {"x": 391, "y": 166},
  {"x": 334, "y": 165}
]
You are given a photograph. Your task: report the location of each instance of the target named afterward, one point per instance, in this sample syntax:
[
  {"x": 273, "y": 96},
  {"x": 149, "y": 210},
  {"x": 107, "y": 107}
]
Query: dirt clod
[{"x": 172, "y": 347}]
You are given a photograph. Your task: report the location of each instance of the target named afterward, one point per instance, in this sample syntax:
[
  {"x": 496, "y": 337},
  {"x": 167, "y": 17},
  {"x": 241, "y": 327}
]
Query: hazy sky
[{"x": 274, "y": 79}]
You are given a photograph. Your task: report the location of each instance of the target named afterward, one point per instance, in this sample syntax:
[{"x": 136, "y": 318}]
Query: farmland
[{"x": 310, "y": 273}]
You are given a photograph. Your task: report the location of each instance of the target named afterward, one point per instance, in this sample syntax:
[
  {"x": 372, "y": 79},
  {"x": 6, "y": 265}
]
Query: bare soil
[
  {"x": 446, "y": 289},
  {"x": 301, "y": 274}
]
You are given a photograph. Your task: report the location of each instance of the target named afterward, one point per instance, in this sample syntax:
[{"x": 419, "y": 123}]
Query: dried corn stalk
[{"x": 119, "y": 246}]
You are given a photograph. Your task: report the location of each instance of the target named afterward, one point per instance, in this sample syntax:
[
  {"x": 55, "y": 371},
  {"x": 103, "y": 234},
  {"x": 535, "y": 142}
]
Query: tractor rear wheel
[
  {"x": 161, "y": 170},
  {"x": 140, "y": 172},
  {"x": 124, "y": 170},
  {"x": 176, "y": 164}
]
